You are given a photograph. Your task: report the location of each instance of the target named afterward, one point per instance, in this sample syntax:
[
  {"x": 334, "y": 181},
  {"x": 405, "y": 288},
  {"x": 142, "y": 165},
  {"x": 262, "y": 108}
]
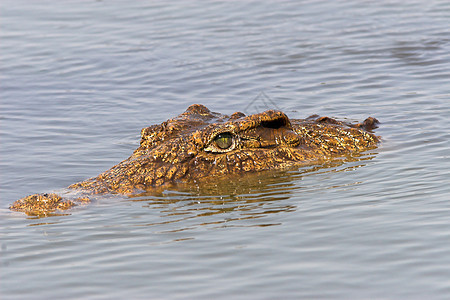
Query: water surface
[{"x": 79, "y": 79}]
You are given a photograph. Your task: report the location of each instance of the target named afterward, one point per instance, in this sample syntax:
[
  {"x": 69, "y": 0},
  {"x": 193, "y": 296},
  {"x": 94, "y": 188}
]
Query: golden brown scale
[{"x": 200, "y": 145}]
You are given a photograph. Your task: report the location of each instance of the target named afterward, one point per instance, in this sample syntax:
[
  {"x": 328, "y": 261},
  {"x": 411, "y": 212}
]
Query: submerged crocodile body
[{"x": 200, "y": 145}]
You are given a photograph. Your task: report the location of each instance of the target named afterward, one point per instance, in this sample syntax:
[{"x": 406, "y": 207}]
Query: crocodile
[{"x": 200, "y": 146}]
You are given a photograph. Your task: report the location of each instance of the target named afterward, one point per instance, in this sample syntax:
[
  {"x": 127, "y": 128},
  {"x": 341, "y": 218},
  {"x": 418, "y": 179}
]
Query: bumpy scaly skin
[{"x": 185, "y": 149}]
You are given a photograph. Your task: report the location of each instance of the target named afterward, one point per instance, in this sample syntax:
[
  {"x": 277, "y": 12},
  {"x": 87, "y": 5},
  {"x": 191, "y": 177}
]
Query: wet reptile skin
[{"x": 200, "y": 145}]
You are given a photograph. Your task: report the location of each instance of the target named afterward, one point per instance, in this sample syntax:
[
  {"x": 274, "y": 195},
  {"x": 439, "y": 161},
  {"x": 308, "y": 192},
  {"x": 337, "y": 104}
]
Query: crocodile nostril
[{"x": 275, "y": 123}]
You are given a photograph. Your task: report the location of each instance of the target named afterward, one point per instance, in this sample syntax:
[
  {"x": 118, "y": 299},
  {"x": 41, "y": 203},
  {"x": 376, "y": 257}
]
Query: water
[{"x": 79, "y": 80}]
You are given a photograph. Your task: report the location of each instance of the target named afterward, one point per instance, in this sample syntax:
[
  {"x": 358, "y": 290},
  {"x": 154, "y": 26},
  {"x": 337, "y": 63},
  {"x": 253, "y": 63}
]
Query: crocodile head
[{"x": 200, "y": 145}]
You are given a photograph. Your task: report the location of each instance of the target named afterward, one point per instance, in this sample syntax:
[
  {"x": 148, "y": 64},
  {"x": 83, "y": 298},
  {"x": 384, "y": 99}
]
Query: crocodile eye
[{"x": 224, "y": 140}]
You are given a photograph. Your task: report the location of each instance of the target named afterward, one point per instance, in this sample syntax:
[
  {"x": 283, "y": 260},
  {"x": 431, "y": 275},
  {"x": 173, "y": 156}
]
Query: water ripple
[{"x": 79, "y": 79}]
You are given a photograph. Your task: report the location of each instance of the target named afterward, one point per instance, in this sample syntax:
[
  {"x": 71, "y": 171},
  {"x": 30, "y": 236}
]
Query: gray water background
[{"x": 79, "y": 79}]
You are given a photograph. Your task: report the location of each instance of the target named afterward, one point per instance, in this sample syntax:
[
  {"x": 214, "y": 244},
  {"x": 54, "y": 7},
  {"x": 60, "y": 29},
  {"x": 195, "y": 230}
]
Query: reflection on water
[{"x": 251, "y": 196}]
